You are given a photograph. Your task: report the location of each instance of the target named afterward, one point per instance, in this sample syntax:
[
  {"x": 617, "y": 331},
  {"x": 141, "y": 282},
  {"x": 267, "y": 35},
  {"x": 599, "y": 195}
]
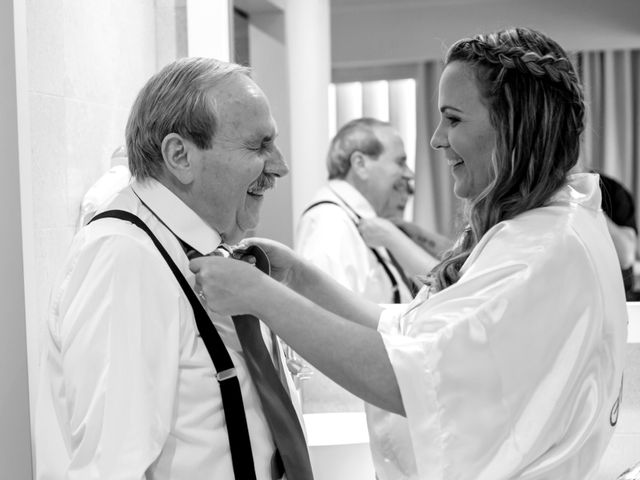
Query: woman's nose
[{"x": 439, "y": 139}]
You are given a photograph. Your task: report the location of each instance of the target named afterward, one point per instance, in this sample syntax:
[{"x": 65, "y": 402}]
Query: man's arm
[
  {"x": 117, "y": 313},
  {"x": 432, "y": 242},
  {"x": 380, "y": 232}
]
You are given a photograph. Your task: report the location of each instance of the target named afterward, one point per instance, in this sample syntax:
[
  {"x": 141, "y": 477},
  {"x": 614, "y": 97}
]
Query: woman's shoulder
[{"x": 547, "y": 234}]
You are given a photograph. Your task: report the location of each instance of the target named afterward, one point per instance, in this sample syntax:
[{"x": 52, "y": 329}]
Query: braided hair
[{"x": 536, "y": 107}]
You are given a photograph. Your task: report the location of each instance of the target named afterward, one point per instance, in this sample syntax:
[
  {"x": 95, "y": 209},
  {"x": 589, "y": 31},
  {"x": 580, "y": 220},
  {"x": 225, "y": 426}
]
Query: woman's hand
[
  {"x": 283, "y": 260},
  {"x": 229, "y": 286},
  {"x": 377, "y": 231}
]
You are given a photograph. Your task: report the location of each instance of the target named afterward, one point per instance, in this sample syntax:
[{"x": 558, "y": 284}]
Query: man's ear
[
  {"x": 358, "y": 161},
  {"x": 175, "y": 153}
]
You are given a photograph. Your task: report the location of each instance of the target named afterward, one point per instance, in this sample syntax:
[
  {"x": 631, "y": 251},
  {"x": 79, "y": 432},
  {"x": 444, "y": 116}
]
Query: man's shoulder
[{"x": 117, "y": 236}]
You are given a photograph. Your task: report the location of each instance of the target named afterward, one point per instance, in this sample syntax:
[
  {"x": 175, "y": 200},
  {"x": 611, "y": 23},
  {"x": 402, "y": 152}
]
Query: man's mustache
[{"x": 264, "y": 182}]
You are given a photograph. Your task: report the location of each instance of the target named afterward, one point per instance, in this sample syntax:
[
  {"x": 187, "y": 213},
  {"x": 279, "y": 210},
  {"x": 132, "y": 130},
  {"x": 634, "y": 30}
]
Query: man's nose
[
  {"x": 275, "y": 164},
  {"x": 407, "y": 173}
]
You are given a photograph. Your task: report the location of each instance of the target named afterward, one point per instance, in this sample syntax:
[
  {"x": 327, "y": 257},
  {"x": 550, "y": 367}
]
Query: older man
[
  {"x": 366, "y": 162},
  {"x": 136, "y": 383}
]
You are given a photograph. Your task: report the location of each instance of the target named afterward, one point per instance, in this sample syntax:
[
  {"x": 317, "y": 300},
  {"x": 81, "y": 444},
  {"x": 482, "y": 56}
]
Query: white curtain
[{"x": 612, "y": 135}]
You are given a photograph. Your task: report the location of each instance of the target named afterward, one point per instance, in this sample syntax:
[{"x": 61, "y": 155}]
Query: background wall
[
  {"x": 86, "y": 62},
  {"x": 15, "y": 449}
]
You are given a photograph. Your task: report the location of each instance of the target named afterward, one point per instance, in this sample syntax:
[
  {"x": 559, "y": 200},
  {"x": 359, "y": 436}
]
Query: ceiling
[
  {"x": 342, "y": 5},
  {"x": 383, "y": 32}
]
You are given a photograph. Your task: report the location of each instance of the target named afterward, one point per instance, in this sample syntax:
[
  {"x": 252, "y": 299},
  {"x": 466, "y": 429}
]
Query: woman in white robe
[{"x": 508, "y": 364}]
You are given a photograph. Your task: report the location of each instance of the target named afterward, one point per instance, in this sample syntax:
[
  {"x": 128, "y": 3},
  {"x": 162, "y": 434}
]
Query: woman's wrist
[{"x": 297, "y": 275}]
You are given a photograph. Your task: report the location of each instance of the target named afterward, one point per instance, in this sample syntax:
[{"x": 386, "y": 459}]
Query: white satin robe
[{"x": 514, "y": 371}]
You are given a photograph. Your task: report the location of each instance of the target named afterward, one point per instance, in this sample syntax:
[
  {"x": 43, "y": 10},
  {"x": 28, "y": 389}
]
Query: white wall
[
  {"x": 15, "y": 450},
  {"x": 290, "y": 53},
  {"x": 86, "y": 61}
]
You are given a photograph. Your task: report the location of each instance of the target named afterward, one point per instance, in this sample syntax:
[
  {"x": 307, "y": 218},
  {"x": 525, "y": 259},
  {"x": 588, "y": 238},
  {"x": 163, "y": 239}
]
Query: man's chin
[{"x": 238, "y": 233}]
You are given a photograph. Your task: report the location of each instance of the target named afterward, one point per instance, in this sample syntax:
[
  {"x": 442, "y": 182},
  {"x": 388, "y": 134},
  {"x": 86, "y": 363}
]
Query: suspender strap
[
  {"x": 330, "y": 202},
  {"x": 239, "y": 443},
  {"x": 383, "y": 264}
]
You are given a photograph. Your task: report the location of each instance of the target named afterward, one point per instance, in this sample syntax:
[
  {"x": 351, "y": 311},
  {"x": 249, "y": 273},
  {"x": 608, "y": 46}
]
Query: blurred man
[
  {"x": 136, "y": 382},
  {"x": 366, "y": 162}
]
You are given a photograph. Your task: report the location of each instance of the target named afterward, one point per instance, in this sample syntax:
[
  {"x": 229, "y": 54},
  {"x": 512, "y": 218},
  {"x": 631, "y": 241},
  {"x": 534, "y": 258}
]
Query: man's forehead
[{"x": 243, "y": 108}]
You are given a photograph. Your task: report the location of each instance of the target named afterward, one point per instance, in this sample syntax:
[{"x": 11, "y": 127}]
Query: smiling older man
[{"x": 129, "y": 385}]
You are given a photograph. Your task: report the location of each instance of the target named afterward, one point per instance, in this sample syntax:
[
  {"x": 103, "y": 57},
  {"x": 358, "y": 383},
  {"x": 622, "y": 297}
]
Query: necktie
[
  {"x": 292, "y": 456},
  {"x": 410, "y": 284}
]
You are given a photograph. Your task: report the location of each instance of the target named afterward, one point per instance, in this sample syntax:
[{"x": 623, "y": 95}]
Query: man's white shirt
[
  {"x": 328, "y": 237},
  {"x": 127, "y": 388}
]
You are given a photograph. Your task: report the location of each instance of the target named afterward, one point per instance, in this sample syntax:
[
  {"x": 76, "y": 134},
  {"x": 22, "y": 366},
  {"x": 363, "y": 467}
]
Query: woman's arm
[{"x": 346, "y": 348}]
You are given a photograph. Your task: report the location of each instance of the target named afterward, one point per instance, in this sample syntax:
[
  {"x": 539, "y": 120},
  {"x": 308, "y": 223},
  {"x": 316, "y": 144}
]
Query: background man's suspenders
[{"x": 394, "y": 283}]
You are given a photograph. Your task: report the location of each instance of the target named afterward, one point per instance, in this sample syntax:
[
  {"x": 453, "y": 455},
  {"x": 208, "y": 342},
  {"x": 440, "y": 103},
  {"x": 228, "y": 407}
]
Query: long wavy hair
[{"x": 536, "y": 107}]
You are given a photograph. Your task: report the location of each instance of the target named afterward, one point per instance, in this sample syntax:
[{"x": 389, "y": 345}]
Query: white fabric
[
  {"x": 328, "y": 237},
  {"x": 127, "y": 384},
  {"x": 105, "y": 188},
  {"x": 513, "y": 372}
]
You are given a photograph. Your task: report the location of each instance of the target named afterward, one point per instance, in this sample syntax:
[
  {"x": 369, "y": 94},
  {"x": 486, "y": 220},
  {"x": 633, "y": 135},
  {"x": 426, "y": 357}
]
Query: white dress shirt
[
  {"x": 103, "y": 190},
  {"x": 514, "y": 371},
  {"x": 328, "y": 238},
  {"x": 127, "y": 387}
]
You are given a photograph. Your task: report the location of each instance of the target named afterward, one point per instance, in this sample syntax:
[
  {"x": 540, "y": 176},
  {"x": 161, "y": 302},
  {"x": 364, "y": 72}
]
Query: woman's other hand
[
  {"x": 283, "y": 260},
  {"x": 377, "y": 232}
]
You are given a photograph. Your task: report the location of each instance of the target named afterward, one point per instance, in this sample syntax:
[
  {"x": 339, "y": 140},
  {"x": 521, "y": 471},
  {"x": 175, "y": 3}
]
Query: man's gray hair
[
  {"x": 356, "y": 135},
  {"x": 175, "y": 100}
]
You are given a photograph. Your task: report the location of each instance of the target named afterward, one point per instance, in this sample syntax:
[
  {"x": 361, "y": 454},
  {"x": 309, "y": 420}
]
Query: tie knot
[
  {"x": 260, "y": 258},
  {"x": 223, "y": 250}
]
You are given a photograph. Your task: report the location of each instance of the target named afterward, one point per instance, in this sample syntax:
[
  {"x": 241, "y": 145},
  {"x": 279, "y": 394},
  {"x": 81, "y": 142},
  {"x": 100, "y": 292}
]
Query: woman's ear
[{"x": 175, "y": 153}]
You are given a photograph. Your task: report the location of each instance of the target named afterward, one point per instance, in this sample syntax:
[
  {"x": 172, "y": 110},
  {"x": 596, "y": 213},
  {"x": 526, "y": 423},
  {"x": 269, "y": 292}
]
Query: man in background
[{"x": 366, "y": 162}]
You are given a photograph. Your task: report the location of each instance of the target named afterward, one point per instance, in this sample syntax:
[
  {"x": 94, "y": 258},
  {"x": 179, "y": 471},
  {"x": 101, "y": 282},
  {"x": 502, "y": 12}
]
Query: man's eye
[{"x": 453, "y": 120}]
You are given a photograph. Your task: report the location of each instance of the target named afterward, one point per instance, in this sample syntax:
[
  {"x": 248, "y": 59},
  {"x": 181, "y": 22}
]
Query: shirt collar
[
  {"x": 176, "y": 215},
  {"x": 352, "y": 197}
]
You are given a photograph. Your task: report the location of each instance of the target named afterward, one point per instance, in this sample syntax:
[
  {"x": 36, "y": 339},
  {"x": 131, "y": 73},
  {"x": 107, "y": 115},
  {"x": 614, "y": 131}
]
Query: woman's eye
[{"x": 453, "y": 120}]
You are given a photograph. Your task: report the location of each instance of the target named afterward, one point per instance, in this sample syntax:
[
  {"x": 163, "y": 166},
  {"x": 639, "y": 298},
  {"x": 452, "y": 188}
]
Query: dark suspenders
[
  {"x": 383, "y": 264},
  {"x": 237, "y": 430}
]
